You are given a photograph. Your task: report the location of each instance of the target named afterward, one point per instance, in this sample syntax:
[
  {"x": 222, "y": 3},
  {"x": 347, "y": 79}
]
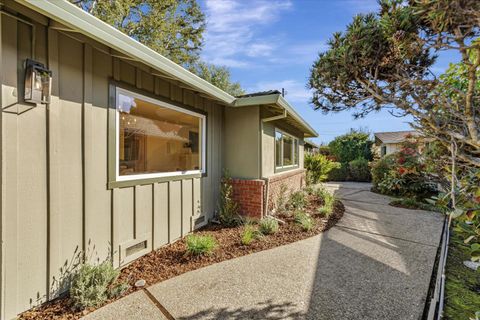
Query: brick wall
[
  {"x": 249, "y": 195},
  {"x": 292, "y": 180}
]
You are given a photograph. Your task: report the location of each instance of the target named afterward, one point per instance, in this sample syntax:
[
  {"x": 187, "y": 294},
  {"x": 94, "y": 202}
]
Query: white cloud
[
  {"x": 296, "y": 92},
  {"x": 231, "y": 30}
]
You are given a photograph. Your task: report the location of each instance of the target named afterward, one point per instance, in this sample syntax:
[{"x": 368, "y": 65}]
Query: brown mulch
[{"x": 171, "y": 260}]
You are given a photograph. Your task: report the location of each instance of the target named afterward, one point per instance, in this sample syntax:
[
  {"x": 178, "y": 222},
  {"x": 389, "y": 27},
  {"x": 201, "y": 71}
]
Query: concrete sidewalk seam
[
  {"x": 160, "y": 307},
  {"x": 383, "y": 235}
]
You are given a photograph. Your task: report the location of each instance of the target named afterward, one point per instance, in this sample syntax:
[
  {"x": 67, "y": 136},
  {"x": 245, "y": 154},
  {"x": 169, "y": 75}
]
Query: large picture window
[
  {"x": 156, "y": 139},
  {"x": 286, "y": 150}
]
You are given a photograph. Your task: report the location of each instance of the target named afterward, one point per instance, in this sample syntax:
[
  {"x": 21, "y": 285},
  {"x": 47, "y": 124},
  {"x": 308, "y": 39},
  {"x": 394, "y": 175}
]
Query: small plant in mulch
[
  {"x": 328, "y": 202},
  {"x": 200, "y": 245},
  {"x": 411, "y": 203},
  {"x": 268, "y": 226},
  {"x": 250, "y": 233},
  {"x": 304, "y": 220},
  {"x": 298, "y": 200},
  {"x": 92, "y": 285},
  {"x": 228, "y": 209}
]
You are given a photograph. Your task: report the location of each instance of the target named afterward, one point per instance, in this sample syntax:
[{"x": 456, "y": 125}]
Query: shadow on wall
[{"x": 60, "y": 283}]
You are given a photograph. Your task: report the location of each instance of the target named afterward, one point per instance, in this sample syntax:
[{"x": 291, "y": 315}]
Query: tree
[
  {"x": 218, "y": 76},
  {"x": 173, "y": 28},
  {"x": 350, "y": 146},
  {"x": 384, "y": 61}
]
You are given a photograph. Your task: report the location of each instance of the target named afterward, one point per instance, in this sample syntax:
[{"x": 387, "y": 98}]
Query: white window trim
[
  {"x": 118, "y": 177},
  {"x": 296, "y": 148}
]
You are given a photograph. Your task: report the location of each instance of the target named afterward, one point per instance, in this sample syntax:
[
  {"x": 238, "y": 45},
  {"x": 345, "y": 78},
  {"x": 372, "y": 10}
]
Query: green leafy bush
[
  {"x": 339, "y": 174},
  {"x": 304, "y": 221},
  {"x": 200, "y": 245},
  {"x": 228, "y": 215},
  {"x": 268, "y": 226},
  {"x": 359, "y": 170},
  {"x": 92, "y": 285},
  {"x": 282, "y": 199},
  {"x": 353, "y": 145},
  {"x": 297, "y": 200},
  {"x": 318, "y": 166},
  {"x": 249, "y": 234},
  {"x": 382, "y": 167},
  {"x": 411, "y": 203},
  {"x": 328, "y": 202},
  {"x": 403, "y": 174}
]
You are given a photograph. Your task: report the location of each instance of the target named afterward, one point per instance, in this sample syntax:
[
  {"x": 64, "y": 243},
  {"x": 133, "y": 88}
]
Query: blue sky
[{"x": 270, "y": 44}]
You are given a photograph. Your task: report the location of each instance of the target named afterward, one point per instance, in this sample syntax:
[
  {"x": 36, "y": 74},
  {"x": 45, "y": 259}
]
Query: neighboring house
[
  {"x": 390, "y": 142},
  {"x": 127, "y": 153},
  {"x": 311, "y": 146}
]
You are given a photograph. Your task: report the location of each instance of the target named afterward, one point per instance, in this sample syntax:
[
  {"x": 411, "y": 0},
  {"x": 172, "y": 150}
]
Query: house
[
  {"x": 112, "y": 150},
  {"x": 310, "y": 146},
  {"x": 390, "y": 142}
]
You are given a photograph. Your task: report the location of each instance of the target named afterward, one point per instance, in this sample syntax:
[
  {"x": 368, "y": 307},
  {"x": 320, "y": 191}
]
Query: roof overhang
[
  {"x": 279, "y": 101},
  {"x": 80, "y": 21}
]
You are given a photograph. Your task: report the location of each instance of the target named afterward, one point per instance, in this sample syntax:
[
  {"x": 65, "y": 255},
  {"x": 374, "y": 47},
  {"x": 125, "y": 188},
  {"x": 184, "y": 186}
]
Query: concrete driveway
[{"x": 375, "y": 263}]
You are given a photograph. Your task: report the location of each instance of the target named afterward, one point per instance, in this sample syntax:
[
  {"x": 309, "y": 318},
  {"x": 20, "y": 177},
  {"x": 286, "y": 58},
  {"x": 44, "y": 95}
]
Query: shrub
[
  {"x": 268, "y": 226},
  {"x": 304, "y": 220},
  {"x": 411, "y": 203},
  {"x": 381, "y": 167},
  {"x": 328, "y": 202},
  {"x": 282, "y": 198},
  {"x": 92, "y": 285},
  {"x": 339, "y": 174},
  {"x": 228, "y": 215},
  {"x": 249, "y": 234},
  {"x": 200, "y": 245},
  {"x": 353, "y": 145},
  {"x": 403, "y": 174},
  {"x": 298, "y": 200},
  {"x": 318, "y": 166},
  {"x": 359, "y": 170}
]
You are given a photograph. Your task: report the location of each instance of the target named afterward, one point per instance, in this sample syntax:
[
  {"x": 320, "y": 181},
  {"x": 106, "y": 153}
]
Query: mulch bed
[{"x": 171, "y": 260}]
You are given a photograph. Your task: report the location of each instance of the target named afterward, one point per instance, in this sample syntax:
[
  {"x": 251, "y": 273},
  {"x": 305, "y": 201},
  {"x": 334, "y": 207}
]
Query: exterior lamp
[{"x": 38, "y": 82}]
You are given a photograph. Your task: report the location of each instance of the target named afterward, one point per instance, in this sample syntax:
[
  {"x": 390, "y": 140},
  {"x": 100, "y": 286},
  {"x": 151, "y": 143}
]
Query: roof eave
[{"x": 81, "y": 21}]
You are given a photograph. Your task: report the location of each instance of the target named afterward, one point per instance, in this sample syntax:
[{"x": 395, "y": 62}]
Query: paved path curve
[{"x": 374, "y": 264}]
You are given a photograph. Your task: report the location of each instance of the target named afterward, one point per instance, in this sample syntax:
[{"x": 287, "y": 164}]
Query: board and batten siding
[{"x": 55, "y": 201}]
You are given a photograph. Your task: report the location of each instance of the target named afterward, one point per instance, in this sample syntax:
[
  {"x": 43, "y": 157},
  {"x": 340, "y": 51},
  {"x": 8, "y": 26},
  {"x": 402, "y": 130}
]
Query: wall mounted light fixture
[{"x": 38, "y": 82}]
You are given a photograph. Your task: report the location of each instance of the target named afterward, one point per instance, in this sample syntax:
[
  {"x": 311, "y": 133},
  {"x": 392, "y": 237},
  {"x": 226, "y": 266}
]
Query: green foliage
[
  {"x": 228, "y": 211},
  {"x": 200, "y": 245},
  {"x": 403, "y": 174},
  {"x": 268, "y": 226},
  {"x": 328, "y": 202},
  {"x": 339, "y": 174},
  {"x": 412, "y": 203},
  {"x": 359, "y": 170},
  {"x": 250, "y": 234},
  {"x": 318, "y": 166},
  {"x": 353, "y": 145},
  {"x": 297, "y": 200},
  {"x": 92, "y": 285},
  {"x": 381, "y": 168},
  {"x": 461, "y": 286},
  {"x": 304, "y": 221},
  {"x": 219, "y": 76},
  {"x": 282, "y": 199},
  {"x": 173, "y": 28}
]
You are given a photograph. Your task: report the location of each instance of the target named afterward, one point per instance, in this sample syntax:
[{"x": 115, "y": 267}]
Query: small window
[
  {"x": 286, "y": 150},
  {"x": 383, "y": 151},
  {"x": 155, "y": 138}
]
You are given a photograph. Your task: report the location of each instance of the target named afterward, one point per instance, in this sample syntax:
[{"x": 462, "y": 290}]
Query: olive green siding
[
  {"x": 268, "y": 143},
  {"x": 242, "y": 142},
  {"x": 56, "y": 202}
]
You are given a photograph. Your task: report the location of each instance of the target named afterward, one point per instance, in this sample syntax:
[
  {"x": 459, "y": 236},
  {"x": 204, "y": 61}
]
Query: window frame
[
  {"x": 295, "y": 148},
  {"x": 162, "y": 103}
]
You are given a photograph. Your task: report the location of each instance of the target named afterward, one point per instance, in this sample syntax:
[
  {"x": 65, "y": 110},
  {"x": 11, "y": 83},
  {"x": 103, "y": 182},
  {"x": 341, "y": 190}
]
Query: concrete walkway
[{"x": 375, "y": 263}]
